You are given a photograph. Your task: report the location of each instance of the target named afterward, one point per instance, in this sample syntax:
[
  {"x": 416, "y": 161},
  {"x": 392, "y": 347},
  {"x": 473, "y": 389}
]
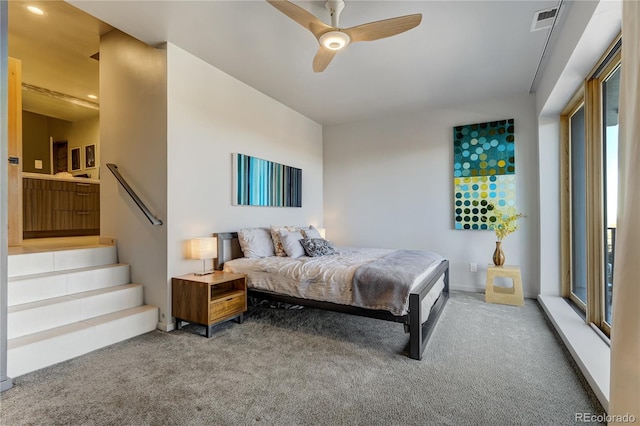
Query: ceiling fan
[{"x": 332, "y": 38}]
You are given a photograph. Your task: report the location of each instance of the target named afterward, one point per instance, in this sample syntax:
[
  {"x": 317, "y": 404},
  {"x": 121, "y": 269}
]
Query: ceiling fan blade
[
  {"x": 301, "y": 16},
  {"x": 385, "y": 28},
  {"x": 323, "y": 58}
]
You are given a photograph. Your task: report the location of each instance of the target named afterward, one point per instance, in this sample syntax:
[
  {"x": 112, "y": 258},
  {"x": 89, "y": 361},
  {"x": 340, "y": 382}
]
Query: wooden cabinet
[
  {"x": 208, "y": 299},
  {"x": 56, "y": 208}
]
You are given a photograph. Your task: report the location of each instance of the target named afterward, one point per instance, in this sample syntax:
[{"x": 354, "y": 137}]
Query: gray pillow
[
  {"x": 291, "y": 243},
  {"x": 315, "y": 247},
  {"x": 256, "y": 242}
]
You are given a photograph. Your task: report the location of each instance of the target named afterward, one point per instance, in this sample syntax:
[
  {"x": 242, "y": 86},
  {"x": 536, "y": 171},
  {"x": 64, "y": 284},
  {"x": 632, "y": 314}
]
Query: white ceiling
[{"x": 463, "y": 51}]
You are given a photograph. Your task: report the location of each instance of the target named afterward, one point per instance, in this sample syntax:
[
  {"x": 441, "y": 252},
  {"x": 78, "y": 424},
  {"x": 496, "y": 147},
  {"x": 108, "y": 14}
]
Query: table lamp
[{"x": 202, "y": 249}]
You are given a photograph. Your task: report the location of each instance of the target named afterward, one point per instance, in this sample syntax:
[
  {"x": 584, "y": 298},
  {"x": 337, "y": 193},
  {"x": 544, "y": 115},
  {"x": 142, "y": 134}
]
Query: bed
[{"x": 349, "y": 282}]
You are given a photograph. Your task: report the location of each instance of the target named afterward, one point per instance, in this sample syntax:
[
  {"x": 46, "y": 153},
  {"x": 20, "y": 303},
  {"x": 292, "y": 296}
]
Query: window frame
[
  {"x": 590, "y": 96},
  {"x": 566, "y": 209}
]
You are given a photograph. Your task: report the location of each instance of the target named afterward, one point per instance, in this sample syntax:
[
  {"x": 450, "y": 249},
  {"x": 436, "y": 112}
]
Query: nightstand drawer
[{"x": 234, "y": 302}]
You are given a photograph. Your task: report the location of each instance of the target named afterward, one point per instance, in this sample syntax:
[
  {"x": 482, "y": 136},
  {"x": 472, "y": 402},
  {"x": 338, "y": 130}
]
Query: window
[
  {"x": 578, "y": 208},
  {"x": 589, "y": 190},
  {"x": 610, "y": 100}
]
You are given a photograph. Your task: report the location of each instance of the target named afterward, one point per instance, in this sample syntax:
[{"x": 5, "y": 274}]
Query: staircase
[{"x": 68, "y": 302}]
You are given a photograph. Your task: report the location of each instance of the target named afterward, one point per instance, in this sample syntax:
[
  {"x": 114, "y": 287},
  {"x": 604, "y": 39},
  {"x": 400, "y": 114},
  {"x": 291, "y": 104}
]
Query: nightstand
[{"x": 208, "y": 299}]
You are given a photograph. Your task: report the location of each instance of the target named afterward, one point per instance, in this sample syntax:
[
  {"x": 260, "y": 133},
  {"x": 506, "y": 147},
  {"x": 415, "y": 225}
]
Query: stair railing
[{"x": 154, "y": 220}]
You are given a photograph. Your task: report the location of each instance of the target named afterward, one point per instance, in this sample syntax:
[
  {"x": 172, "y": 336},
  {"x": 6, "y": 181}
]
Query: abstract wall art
[
  {"x": 258, "y": 182},
  {"x": 483, "y": 172}
]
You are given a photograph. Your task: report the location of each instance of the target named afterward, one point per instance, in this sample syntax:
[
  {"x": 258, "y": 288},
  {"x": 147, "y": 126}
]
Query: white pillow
[
  {"x": 291, "y": 243},
  {"x": 312, "y": 232},
  {"x": 256, "y": 242}
]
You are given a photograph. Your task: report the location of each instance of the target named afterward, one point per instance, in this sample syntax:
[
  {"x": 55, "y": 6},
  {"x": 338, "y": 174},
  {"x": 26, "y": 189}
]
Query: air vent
[{"x": 543, "y": 19}]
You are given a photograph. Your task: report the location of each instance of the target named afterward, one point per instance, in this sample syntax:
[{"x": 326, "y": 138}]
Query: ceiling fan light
[{"x": 334, "y": 40}]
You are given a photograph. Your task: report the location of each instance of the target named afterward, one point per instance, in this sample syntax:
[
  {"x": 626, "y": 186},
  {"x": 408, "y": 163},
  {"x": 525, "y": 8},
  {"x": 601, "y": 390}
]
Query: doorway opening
[{"x": 60, "y": 157}]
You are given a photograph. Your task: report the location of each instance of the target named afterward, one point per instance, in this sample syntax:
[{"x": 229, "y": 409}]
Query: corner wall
[
  {"x": 133, "y": 132},
  {"x": 170, "y": 122},
  {"x": 389, "y": 183}
]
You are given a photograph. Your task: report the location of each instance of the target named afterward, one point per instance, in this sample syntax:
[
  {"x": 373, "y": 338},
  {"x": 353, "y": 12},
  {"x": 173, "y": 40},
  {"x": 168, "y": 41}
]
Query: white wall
[
  {"x": 133, "y": 132},
  {"x": 549, "y": 196},
  {"x": 389, "y": 183},
  {"x": 212, "y": 115}
]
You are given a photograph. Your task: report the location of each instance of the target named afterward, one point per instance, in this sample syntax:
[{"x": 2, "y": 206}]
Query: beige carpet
[{"x": 485, "y": 365}]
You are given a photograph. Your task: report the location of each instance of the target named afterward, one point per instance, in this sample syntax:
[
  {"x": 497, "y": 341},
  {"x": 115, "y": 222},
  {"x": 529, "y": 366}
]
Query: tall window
[
  {"x": 590, "y": 191},
  {"x": 610, "y": 98}
]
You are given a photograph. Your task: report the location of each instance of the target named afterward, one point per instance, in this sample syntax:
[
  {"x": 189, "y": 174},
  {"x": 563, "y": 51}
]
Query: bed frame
[{"x": 419, "y": 333}]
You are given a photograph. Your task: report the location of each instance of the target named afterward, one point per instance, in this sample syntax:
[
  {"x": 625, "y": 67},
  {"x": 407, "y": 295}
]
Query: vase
[{"x": 498, "y": 254}]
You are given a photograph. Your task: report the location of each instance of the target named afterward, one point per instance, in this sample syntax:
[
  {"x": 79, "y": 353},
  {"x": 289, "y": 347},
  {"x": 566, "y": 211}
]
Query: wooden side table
[
  {"x": 208, "y": 299},
  {"x": 504, "y": 295}
]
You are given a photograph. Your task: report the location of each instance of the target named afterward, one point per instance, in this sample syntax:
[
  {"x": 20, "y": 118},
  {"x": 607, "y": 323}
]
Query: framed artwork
[
  {"x": 90, "y": 156},
  {"x": 75, "y": 159},
  {"x": 483, "y": 172},
  {"x": 258, "y": 182}
]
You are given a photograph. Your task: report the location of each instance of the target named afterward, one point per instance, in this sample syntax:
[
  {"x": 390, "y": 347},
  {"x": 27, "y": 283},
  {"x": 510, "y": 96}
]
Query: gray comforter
[{"x": 385, "y": 283}]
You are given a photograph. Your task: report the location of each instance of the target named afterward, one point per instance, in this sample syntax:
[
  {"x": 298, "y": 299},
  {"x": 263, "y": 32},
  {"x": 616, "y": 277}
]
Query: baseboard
[
  {"x": 166, "y": 326},
  {"x": 6, "y": 384},
  {"x": 469, "y": 288},
  {"x": 478, "y": 289}
]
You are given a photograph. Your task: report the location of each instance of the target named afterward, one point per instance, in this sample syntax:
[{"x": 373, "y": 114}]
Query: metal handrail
[{"x": 154, "y": 220}]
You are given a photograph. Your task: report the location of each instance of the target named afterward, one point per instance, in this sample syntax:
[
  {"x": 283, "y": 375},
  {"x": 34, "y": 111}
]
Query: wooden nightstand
[{"x": 208, "y": 299}]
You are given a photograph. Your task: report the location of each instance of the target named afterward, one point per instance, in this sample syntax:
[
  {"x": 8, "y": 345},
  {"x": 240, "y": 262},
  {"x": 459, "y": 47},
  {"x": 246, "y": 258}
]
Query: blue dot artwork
[{"x": 484, "y": 171}]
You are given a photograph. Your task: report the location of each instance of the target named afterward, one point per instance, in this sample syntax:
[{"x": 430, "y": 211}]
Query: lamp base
[{"x": 199, "y": 274}]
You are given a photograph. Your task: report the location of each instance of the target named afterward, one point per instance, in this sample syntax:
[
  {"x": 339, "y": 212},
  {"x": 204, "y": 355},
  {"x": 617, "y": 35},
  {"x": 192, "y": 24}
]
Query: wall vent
[{"x": 543, "y": 19}]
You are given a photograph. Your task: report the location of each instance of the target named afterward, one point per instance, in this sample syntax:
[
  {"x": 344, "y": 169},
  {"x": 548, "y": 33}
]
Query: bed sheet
[{"x": 324, "y": 278}]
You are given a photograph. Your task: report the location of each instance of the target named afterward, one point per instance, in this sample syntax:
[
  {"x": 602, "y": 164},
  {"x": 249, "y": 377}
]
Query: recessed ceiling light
[
  {"x": 92, "y": 97},
  {"x": 34, "y": 9}
]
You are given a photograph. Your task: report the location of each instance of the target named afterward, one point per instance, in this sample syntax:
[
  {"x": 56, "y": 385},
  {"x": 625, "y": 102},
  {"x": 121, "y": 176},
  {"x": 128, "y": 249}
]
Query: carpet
[{"x": 485, "y": 364}]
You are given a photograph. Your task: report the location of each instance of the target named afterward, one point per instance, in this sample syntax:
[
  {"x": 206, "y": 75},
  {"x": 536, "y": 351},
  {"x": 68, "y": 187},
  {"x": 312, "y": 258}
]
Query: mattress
[{"x": 323, "y": 278}]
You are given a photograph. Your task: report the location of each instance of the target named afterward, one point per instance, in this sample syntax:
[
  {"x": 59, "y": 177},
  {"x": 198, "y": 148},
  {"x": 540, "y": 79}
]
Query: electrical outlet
[{"x": 473, "y": 267}]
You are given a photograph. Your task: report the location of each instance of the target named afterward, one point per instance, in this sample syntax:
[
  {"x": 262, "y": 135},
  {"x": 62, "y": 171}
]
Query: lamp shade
[
  {"x": 204, "y": 248},
  {"x": 322, "y": 232}
]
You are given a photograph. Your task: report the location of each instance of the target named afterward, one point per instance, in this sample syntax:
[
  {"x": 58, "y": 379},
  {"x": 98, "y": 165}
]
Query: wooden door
[{"x": 14, "y": 128}]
